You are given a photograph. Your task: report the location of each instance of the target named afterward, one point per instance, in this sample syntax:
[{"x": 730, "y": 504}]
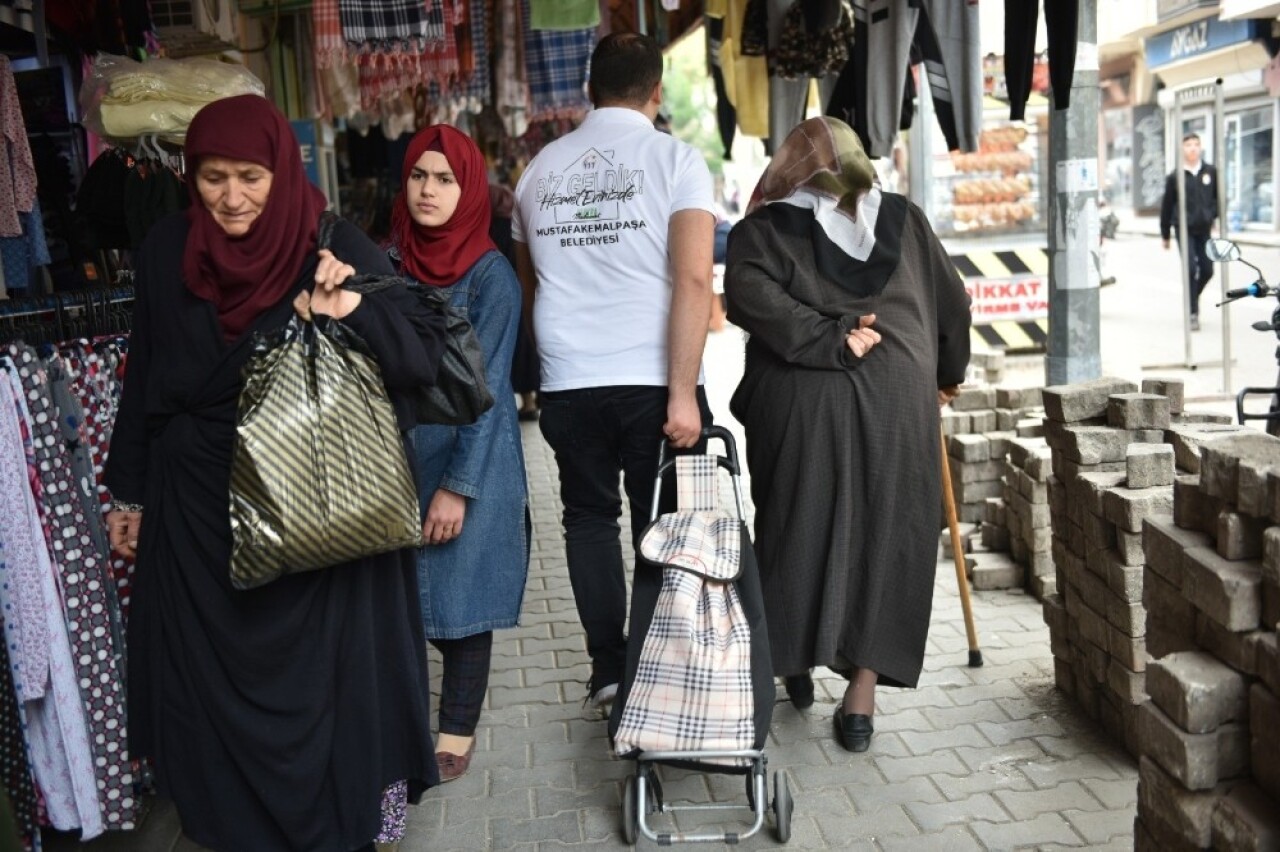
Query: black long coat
[
  {"x": 844, "y": 452},
  {"x": 275, "y": 717}
]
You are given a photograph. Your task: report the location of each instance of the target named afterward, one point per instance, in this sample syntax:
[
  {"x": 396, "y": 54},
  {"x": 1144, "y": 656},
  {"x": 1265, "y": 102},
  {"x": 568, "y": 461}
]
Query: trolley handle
[{"x": 666, "y": 458}]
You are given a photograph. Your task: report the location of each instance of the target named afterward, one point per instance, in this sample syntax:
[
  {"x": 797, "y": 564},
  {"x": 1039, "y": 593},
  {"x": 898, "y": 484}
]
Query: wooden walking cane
[{"x": 957, "y": 552}]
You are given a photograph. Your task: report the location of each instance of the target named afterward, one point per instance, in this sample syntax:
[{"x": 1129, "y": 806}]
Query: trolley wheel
[
  {"x": 782, "y": 805},
  {"x": 630, "y": 822}
]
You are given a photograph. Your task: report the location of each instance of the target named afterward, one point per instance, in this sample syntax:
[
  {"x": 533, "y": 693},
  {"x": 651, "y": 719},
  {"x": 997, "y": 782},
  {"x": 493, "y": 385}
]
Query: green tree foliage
[{"x": 689, "y": 98}]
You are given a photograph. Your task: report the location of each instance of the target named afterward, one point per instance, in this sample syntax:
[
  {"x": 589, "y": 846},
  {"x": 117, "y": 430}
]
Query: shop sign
[
  {"x": 305, "y": 130},
  {"x": 1025, "y": 297},
  {"x": 1166, "y": 9},
  {"x": 1197, "y": 38}
]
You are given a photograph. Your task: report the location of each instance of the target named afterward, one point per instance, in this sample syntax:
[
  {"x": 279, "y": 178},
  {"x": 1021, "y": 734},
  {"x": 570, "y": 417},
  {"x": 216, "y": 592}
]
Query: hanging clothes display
[
  {"x": 18, "y": 174},
  {"x": 746, "y": 76},
  {"x": 889, "y": 38},
  {"x": 1061, "y": 21},
  {"x": 125, "y": 192},
  {"x": 59, "y": 594}
]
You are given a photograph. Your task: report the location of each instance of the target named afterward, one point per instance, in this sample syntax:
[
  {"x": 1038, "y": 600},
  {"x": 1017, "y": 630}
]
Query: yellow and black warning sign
[{"x": 1009, "y": 290}]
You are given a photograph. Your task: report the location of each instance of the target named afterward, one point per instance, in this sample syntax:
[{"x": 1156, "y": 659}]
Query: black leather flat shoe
[
  {"x": 854, "y": 730},
  {"x": 800, "y": 690}
]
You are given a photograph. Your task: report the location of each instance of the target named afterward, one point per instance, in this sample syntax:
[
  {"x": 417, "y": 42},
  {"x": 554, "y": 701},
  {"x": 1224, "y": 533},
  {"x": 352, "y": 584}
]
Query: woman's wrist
[{"x": 121, "y": 506}]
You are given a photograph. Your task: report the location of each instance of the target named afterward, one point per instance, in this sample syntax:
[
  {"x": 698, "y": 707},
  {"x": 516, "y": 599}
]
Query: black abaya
[{"x": 275, "y": 717}]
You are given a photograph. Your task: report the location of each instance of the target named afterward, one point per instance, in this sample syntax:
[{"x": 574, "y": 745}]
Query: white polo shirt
[{"x": 594, "y": 207}]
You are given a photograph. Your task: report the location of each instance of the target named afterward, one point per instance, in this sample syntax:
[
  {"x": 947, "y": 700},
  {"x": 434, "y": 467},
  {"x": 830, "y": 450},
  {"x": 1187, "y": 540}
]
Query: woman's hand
[
  {"x": 328, "y": 297},
  {"x": 945, "y": 395},
  {"x": 444, "y": 516},
  {"x": 860, "y": 340},
  {"x": 122, "y": 529}
]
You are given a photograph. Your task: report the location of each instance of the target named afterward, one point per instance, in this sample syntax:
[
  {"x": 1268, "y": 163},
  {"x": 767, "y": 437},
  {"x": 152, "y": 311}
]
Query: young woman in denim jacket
[{"x": 471, "y": 478}]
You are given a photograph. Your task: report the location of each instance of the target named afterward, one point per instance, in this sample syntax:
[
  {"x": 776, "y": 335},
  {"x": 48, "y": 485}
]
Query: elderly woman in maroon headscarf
[
  {"x": 859, "y": 329},
  {"x": 472, "y": 480},
  {"x": 276, "y": 717}
]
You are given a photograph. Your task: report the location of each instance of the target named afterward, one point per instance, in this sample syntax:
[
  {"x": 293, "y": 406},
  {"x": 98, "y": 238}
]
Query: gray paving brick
[
  {"x": 507, "y": 833},
  {"x": 1000, "y": 733},
  {"x": 931, "y": 817},
  {"x": 928, "y": 742},
  {"x": 1001, "y": 758},
  {"x": 1069, "y": 796},
  {"x": 899, "y": 768},
  {"x": 951, "y": 840},
  {"x": 987, "y": 780},
  {"x": 887, "y": 821},
  {"x": 1101, "y": 827},
  {"x": 1044, "y": 829},
  {"x": 1051, "y": 772},
  {"x": 982, "y": 711}
]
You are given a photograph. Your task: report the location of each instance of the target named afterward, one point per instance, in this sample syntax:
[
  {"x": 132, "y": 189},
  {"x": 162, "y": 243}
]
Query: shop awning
[
  {"x": 1248, "y": 9},
  {"x": 1235, "y": 59}
]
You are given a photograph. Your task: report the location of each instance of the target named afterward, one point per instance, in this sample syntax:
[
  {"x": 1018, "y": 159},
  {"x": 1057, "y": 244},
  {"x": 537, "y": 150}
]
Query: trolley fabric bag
[
  {"x": 319, "y": 474},
  {"x": 693, "y": 688}
]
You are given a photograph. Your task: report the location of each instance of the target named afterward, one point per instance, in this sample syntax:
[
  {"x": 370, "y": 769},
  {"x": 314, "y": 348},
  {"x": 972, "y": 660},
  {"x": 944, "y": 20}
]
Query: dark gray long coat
[{"x": 844, "y": 453}]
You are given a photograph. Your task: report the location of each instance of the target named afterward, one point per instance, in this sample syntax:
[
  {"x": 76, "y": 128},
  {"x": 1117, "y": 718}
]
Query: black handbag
[{"x": 460, "y": 394}]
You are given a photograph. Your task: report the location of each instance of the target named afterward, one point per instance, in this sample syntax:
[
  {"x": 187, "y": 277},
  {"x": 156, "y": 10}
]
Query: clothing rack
[{"x": 91, "y": 312}]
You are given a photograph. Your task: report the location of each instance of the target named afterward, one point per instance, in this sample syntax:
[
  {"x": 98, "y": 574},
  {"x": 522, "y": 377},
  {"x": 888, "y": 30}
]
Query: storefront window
[
  {"x": 1247, "y": 168},
  {"x": 1117, "y": 187}
]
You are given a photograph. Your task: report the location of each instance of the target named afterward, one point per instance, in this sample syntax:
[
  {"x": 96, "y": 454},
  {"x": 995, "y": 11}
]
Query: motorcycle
[{"x": 1223, "y": 251}]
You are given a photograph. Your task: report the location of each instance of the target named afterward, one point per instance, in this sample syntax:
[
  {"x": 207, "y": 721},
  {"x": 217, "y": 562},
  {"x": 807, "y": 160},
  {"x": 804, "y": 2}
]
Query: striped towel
[
  {"x": 556, "y": 69},
  {"x": 326, "y": 22},
  {"x": 387, "y": 26}
]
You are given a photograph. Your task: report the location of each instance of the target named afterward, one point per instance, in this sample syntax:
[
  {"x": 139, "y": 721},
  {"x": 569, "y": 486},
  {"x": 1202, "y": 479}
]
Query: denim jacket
[{"x": 476, "y": 581}]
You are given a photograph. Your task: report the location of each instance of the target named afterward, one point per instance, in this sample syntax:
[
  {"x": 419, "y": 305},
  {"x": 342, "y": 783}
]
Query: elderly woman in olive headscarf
[{"x": 859, "y": 329}]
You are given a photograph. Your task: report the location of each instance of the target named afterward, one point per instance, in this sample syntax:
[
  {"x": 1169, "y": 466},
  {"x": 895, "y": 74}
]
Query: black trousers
[
  {"x": 464, "y": 680},
  {"x": 597, "y": 434},
  {"x": 1199, "y": 267},
  {"x": 1062, "y": 23}
]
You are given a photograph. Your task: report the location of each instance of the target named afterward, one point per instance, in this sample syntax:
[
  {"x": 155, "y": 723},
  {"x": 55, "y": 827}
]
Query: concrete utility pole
[{"x": 1074, "y": 276}]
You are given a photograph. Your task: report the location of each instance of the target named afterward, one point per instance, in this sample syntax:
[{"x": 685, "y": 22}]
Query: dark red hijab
[
  {"x": 245, "y": 276},
  {"x": 442, "y": 255}
]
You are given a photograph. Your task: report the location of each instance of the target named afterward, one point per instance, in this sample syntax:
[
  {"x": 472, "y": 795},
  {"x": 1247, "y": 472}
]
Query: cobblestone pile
[{"x": 1209, "y": 734}]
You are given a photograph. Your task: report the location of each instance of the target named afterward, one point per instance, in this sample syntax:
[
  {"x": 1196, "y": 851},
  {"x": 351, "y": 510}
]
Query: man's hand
[
  {"x": 945, "y": 395},
  {"x": 444, "y": 516},
  {"x": 684, "y": 421},
  {"x": 1166, "y": 244},
  {"x": 122, "y": 529}
]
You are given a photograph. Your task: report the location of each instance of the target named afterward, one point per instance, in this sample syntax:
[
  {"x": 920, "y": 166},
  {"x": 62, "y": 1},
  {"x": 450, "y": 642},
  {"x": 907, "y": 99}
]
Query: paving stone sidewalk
[{"x": 991, "y": 758}]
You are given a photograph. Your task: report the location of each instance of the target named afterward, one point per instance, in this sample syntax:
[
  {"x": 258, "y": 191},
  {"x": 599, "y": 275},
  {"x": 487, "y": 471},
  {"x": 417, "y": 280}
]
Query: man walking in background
[
  {"x": 1200, "y": 185},
  {"x": 613, "y": 235}
]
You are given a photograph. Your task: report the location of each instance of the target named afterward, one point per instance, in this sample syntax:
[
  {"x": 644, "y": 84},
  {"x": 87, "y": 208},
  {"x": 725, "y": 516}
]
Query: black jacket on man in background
[{"x": 1202, "y": 201}]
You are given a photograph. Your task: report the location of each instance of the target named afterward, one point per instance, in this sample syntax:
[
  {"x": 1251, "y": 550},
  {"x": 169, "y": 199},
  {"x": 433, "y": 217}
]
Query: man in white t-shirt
[{"x": 613, "y": 234}]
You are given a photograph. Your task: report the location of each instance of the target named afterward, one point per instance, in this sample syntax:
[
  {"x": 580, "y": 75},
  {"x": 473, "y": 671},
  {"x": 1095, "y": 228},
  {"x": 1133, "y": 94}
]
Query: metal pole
[
  {"x": 38, "y": 30},
  {"x": 920, "y": 152},
  {"x": 1220, "y": 147},
  {"x": 1180, "y": 185},
  {"x": 642, "y": 25},
  {"x": 1074, "y": 338}
]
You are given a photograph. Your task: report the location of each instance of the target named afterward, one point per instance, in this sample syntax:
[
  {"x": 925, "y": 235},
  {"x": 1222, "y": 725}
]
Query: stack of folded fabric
[{"x": 126, "y": 99}]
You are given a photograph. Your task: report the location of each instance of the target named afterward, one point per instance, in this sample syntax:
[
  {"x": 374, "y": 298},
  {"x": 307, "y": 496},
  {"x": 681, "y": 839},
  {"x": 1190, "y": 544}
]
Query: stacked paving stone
[
  {"x": 1111, "y": 471},
  {"x": 983, "y": 425},
  {"x": 988, "y": 367},
  {"x": 1209, "y": 768},
  {"x": 1026, "y": 513}
]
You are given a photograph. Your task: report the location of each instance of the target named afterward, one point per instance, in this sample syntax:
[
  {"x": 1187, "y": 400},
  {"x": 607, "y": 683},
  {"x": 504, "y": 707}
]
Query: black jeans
[
  {"x": 1199, "y": 268},
  {"x": 597, "y": 433}
]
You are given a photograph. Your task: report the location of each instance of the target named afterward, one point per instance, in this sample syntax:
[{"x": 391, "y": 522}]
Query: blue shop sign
[
  {"x": 1197, "y": 38},
  {"x": 305, "y": 130}
]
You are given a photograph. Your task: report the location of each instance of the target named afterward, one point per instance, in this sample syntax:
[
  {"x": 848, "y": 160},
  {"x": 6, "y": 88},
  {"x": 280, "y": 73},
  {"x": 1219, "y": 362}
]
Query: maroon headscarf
[
  {"x": 442, "y": 255},
  {"x": 245, "y": 276}
]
